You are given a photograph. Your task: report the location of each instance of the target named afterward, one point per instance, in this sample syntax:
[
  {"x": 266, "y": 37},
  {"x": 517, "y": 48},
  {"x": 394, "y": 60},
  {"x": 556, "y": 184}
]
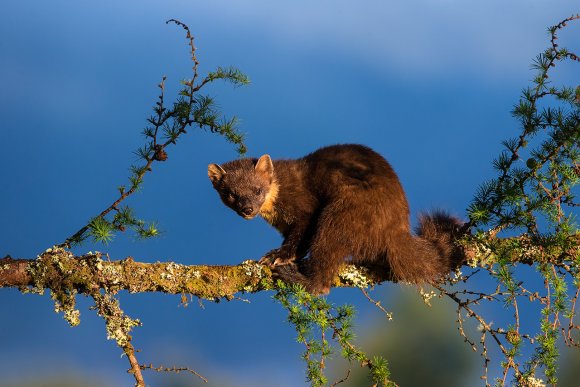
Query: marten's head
[{"x": 245, "y": 185}]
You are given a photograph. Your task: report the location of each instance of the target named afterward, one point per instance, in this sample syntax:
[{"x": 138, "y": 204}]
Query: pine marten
[{"x": 341, "y": 203}]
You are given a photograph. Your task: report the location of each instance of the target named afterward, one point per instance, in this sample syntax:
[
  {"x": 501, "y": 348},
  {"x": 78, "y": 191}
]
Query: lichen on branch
[{"x": 58, "y": 269}]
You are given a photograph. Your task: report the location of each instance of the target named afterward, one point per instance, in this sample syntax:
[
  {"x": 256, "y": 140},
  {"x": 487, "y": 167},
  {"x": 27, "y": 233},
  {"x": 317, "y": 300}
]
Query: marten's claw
[
  {"x": 270, "y": 257},
  {"x": 284, "y": 261},
  {"x": 277, "y": 257},
  {"x": 266, "y": 260}
]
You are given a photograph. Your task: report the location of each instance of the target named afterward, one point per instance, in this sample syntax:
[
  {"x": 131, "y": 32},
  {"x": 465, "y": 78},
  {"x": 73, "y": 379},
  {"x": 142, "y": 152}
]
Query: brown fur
[{"x": 339, "y": 203}]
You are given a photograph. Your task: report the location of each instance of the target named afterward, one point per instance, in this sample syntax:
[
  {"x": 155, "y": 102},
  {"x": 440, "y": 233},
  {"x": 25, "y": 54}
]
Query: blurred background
[{"x": 429, "y": 84}]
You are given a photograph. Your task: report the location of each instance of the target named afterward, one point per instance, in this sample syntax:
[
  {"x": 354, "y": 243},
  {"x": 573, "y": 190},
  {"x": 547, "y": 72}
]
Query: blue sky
[{"x": 429, "y": 84}]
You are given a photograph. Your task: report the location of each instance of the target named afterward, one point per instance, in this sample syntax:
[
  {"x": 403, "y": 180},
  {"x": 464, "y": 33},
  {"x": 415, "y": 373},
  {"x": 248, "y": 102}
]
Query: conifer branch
[{"x": 170, "y": 122}]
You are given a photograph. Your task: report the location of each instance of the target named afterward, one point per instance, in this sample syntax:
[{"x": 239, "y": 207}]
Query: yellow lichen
[
  {"x": 252, "y": 268},
  {"x": 355, "y": 275},
  {"x": 427, "y": 296},
  {"x": 73, "y": 317},
  {"x": 531, "y": 381}
]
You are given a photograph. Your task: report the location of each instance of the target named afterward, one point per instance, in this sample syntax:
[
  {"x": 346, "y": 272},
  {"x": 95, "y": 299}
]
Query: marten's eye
[
  {"x": 231, "y": 197},
  {"x": 259, "y": 191}
]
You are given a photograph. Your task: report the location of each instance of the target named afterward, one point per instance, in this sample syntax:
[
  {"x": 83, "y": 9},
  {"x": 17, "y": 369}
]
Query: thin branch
[
  {"x": 341, "y": 380},
  {"x": 135, "y": 367},
  {"x": 376, "y": 303},
  {"x": 171, "y": 369}
]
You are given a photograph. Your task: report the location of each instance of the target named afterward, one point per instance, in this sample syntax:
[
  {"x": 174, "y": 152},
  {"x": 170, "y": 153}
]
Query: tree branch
[{"x": 58, "y": 268}]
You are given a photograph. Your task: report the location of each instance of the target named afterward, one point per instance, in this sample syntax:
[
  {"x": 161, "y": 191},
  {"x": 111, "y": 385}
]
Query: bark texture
[{"x": 59, "y": 269}]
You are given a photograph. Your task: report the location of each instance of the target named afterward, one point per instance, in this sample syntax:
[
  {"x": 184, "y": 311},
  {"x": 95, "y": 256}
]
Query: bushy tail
[
  {"x": 432, "y": 253},
  {"x": 441, "y": 230}
]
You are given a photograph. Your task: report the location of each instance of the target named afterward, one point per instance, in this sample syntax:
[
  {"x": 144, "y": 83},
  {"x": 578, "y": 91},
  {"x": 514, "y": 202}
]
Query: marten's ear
[
  {"x": 215, "y": 172},
  {"x": 265, "y": 166}
]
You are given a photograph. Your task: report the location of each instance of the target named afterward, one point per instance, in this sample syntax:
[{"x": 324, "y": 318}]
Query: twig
[
  {"x": 171, "y": 369},
  {"x": 135, "y": 368},
  {"x": 341, "y": 380},
  {"x": 377, "y": 304}
]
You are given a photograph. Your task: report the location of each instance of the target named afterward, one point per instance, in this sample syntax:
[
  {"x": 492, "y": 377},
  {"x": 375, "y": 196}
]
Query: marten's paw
[
  {"x": 290, "y": 274},
  {"x": 277, "y": 257}
]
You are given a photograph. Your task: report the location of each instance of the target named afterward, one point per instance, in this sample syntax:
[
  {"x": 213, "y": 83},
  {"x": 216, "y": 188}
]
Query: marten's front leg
[
  {"x": 294, "y": 248},
  {"x": 338, "y": 235}
]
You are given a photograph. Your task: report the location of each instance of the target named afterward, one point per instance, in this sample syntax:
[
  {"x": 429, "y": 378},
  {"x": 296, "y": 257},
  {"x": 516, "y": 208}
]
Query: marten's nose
[{"x": 247, "y": 210}]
